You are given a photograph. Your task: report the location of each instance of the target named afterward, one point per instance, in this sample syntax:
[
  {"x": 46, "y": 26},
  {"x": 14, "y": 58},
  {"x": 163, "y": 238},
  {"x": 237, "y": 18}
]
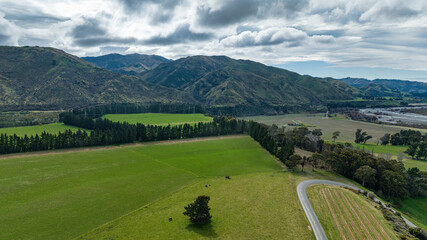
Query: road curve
[{"x": 318, "y": 230}]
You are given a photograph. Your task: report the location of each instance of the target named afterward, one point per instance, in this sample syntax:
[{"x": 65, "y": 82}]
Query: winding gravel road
[{"x": 318, "y": 230}]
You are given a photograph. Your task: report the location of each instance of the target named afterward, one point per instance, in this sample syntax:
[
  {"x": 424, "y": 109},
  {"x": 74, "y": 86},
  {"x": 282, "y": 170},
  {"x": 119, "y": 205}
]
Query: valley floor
[{"x": 130, "y": 192}]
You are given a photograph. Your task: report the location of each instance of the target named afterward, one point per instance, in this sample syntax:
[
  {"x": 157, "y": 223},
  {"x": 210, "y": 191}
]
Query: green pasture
[
  {"x": 158, "y": 118},
  {"x": 64, "y": 195},
  {"x": 38, "y": 129},
  {"x": 410, "y": 163},
  {"x": 250, "y": 206},
  {"x": 382, "y": 149}
]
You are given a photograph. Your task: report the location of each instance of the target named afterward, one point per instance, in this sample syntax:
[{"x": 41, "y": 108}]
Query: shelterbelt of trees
[{"x": 107, "y": 132}]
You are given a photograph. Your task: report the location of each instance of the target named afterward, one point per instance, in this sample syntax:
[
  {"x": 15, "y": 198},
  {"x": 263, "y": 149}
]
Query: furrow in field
[
  {"x": 362, "y": 223},
  {"x": 332, "y": 211},
  {"x": 375, "y": 222},
  {"x": 350, "y": 234},
  {"x": 350, "y": 218}
]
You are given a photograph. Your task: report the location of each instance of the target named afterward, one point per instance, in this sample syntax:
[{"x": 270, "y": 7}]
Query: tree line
[{"x": 106, "y": 132}]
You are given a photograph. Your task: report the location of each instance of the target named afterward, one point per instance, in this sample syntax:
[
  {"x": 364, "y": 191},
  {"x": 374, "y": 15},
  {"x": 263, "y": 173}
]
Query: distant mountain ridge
[
  {"x": 132, "y": 64},
  {"x": 404, "y": 86},
  {"x": 49, "y": 78},
  {"x": 220, "y": 81}
]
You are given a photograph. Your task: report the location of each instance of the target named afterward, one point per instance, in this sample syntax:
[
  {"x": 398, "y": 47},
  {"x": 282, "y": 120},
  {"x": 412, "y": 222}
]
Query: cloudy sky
[{"x": 338, "y": 38}]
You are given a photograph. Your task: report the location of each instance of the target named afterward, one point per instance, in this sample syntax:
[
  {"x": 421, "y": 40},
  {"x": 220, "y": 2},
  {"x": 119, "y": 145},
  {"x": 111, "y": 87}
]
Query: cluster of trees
[
  {"x": 362, "y": 137},
  {"x": 273, "y": 139},
  {"x": 407, "y": 137},
  {"x": 417, "y": 150},
  {"x": 415, "y": 140},
  {"x": 105, "y": 132},
  {"x": 122, "y": 108},
  {"x": 388, "y": 177}
]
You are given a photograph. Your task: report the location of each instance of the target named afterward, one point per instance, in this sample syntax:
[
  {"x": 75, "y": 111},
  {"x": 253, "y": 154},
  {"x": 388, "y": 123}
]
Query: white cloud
[{"x": 385, "y": 33}]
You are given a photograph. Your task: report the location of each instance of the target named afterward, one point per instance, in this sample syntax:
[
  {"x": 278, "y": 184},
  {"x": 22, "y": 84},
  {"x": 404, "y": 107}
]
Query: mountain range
[
  {"x": 48, "y": 78},
  {"x": 388, "y": 87},
  {"x": 133, "y": 64}
]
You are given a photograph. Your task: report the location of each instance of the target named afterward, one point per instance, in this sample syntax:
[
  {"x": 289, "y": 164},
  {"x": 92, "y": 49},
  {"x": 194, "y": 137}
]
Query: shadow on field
[{"x": 206, "y": 231}]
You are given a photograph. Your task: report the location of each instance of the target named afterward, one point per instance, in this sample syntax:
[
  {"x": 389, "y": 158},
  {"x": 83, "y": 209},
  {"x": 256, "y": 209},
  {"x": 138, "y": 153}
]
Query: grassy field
[
  {"x": 422, "y": 165},
  {"x": 416, "y": 208},
  {"x": 346, "y": 215},
  {"x": 61, "y": 196},
  {"x": 382, "y": 149},
  {"x": 38, "y": 129},
  {"x": 158, "y": 118},
  {"x": 250, "y": 206},
  {"x": 346, "y": 126}
]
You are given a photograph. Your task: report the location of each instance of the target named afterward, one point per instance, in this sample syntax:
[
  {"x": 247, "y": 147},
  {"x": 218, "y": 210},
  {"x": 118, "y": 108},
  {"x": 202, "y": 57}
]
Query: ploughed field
[
  {"x": 98, "y": 192},
  {"x": 53, "y": 128},
  {"x": 347, "y": 215},
  {"x": 159, "y": 118}
]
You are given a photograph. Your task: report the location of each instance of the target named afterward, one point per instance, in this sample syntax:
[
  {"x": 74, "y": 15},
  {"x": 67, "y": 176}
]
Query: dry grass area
[{"x": 347, "y": 215}]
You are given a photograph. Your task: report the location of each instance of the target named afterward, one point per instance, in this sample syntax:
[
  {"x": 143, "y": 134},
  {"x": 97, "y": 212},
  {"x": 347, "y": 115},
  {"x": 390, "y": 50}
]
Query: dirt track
[{"x": 84, "y": 149}]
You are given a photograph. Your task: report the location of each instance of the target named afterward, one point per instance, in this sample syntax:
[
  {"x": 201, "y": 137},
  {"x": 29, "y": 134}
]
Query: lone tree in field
[
  {"x": 335, "y": 135},
  {"x": 199, "y": 211},
  {"x": 366, "y": 174}
]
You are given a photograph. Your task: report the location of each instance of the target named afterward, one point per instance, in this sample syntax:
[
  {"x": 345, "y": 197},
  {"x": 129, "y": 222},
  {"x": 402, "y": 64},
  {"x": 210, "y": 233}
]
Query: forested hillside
[
  {"x": 221, "y": 82},
  {"x": 48, "y": 78},
  {"x": 35, "y": 78}
]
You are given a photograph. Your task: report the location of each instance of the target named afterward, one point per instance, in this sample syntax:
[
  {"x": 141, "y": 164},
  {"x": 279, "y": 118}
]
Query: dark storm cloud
[
  {"x": 4, "y": 39},
  {"x": 181, "y": 34},
  {"x": 229, "y": 13},
  {"x": 136, "y": 5},
  {"x": 91, "y": 27},
  {"x": 98, "y": 41},
  {"x": 25, "y": 16},
  {"x": 163, "y": 9},
  {"x": 239, "y": 10},
  {"x": 91, "y": 34},
  {"x": 397, "y": 12},
  {"x": 34, "y": 20}
]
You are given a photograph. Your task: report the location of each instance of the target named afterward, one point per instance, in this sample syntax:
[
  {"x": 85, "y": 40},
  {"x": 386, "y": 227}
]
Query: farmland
[
  {"x": 346, "y": 215},
  {"x": 250, "y": 206},
  {"x": 38, "y": 129},
  {"x": 340, "y": 123},
  {"x": 57, "y": 196},
  {"x": 158, "y": 118}
]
